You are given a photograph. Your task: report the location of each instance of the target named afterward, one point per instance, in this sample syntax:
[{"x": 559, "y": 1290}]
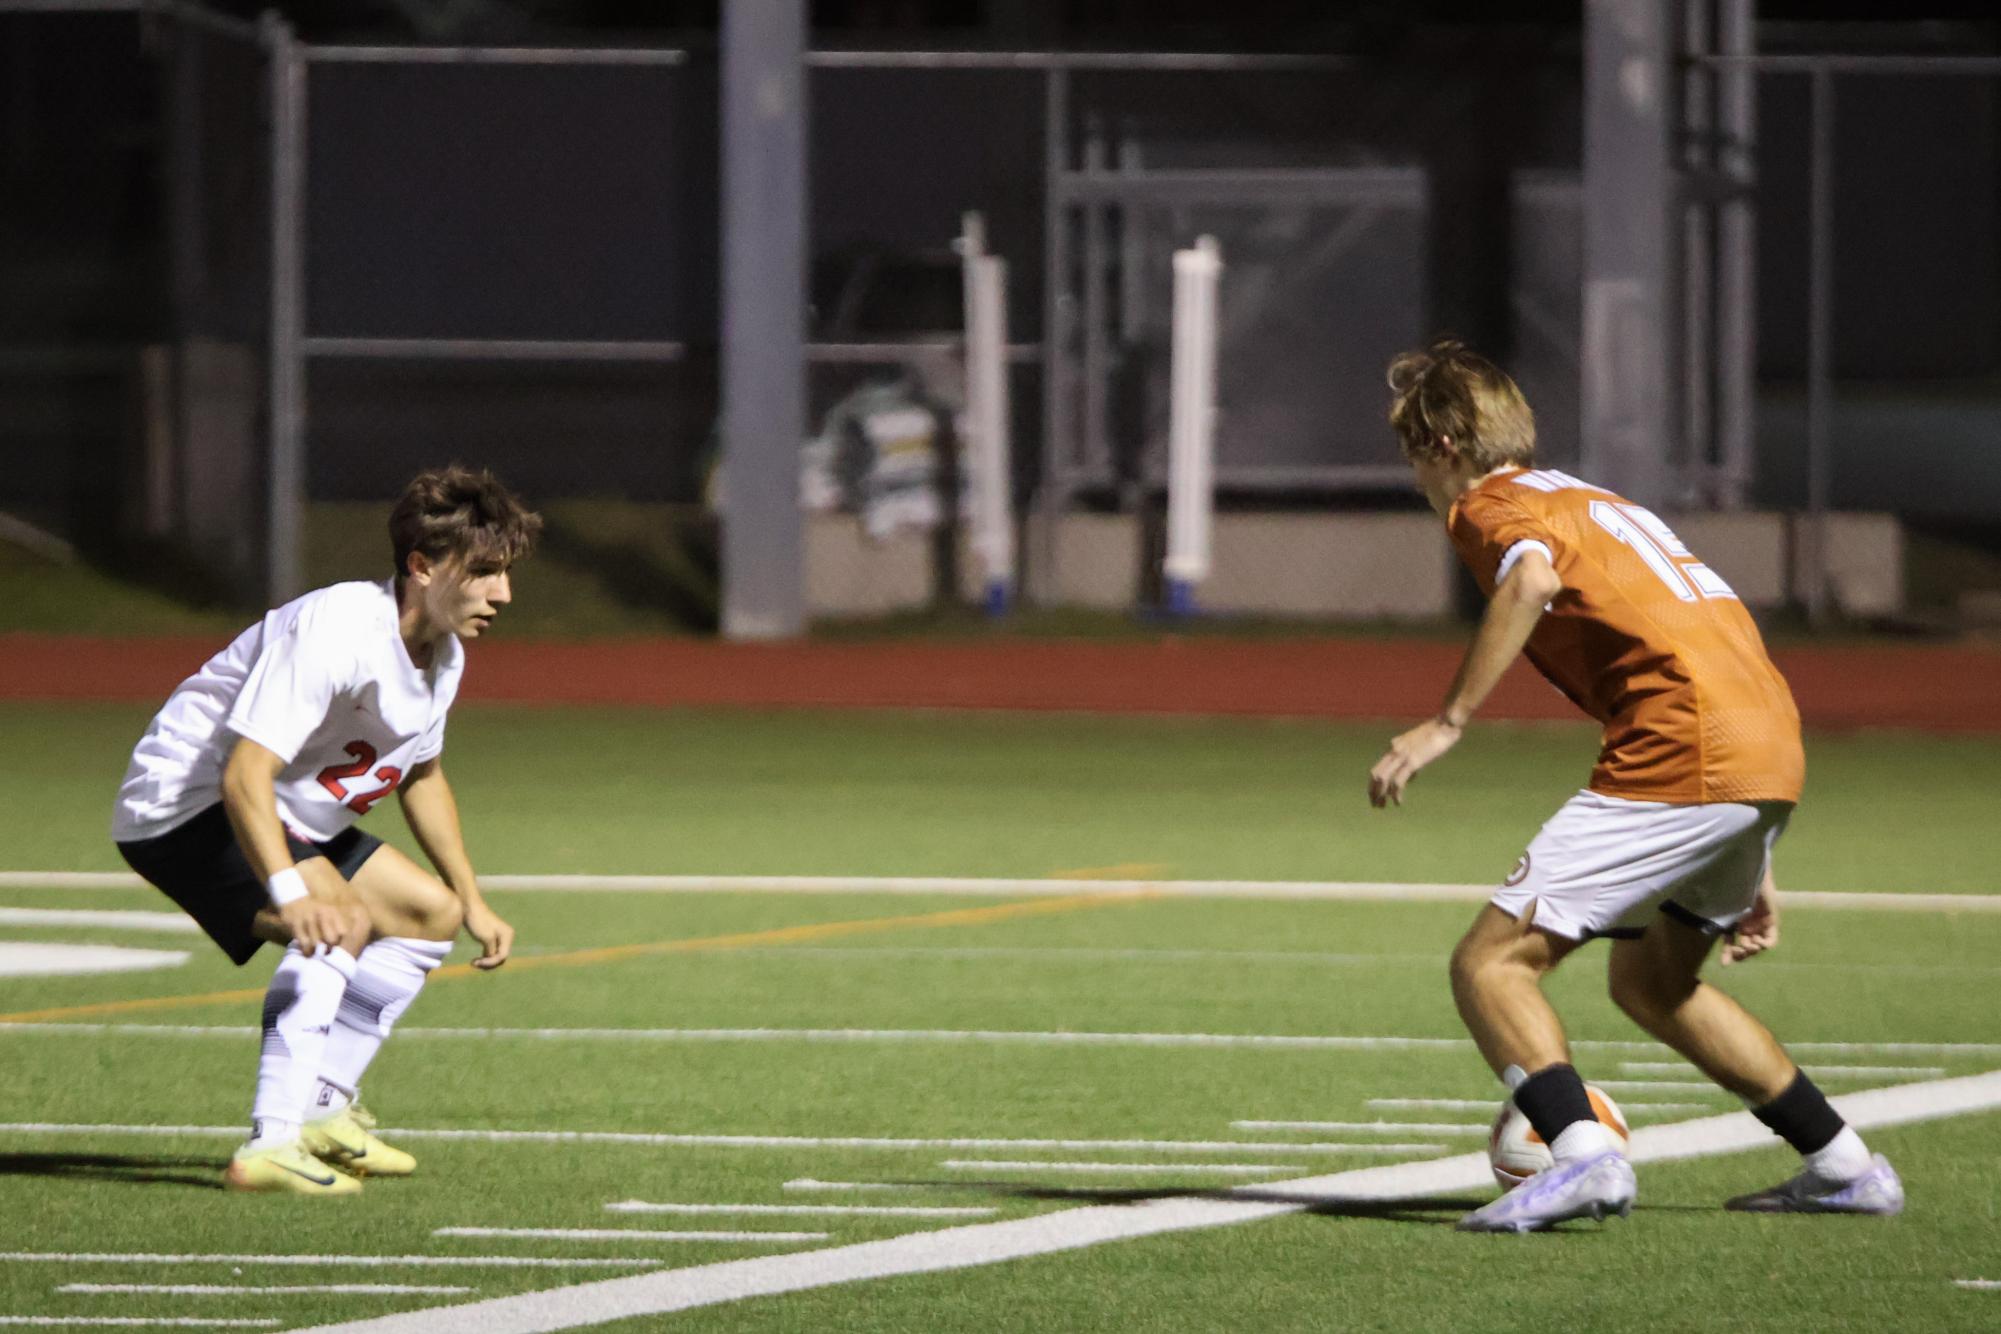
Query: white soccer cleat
[
  {"x": 1878, "y": 1191},
  {"x": 1587, "y": 1188}
]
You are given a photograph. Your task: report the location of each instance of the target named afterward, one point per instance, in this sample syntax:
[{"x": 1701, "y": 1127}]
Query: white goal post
[
  {"x": 1191, "y": 431},
  {"x": 991, "y": 454}
]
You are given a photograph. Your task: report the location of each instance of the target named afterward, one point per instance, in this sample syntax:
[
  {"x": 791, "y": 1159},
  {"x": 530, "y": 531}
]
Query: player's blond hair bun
[{"x": 1449, "y": 392}]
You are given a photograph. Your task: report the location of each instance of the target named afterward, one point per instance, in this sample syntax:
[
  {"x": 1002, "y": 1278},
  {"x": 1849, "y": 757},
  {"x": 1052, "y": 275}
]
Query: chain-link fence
[
  {"x": 510, "y": 257},
  {"x": 136, "y": 267}
]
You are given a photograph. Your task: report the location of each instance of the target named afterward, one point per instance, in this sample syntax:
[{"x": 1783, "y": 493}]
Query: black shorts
[{"x": 199, "y": 866}]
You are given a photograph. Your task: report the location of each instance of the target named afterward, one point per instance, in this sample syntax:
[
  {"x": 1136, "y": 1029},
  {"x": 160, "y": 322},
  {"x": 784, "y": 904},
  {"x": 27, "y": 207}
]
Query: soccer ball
[{"x": 1516, "y": 1152}]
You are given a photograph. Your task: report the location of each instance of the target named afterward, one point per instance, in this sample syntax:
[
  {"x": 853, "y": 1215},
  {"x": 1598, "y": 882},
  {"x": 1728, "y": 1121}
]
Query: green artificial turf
[
  {"x": 905, "y": 990},
  {"x": 802, "y": 793},
  {"x": 743, "y": 1034}
]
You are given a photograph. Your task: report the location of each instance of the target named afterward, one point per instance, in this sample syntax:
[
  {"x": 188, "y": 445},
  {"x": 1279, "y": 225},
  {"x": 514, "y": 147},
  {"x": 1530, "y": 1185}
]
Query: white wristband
[{"x": 287, "y": 886}]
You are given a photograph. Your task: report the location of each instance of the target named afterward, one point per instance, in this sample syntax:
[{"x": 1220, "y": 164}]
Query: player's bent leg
[
  {"x": 405, "y": 900},
  {"x": 1497, "y": 972},
  {"x": 299, "y": 1006},
  {"x": 1655, "y": 980},
  {"x": 415, "y": 918}
]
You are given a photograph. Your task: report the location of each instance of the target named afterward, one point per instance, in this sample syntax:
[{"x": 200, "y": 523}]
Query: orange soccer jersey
[{"x": 1644, "y": 638}]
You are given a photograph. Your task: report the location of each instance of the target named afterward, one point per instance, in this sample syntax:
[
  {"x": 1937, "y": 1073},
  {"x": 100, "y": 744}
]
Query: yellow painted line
[
  {"x": 611, "y": 953},
  {"x": 1123, "y": 871}
]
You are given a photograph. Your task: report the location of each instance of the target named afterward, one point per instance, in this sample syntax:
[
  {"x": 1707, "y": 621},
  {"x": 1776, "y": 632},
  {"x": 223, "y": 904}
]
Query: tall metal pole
[
  {"x": 1052, "y": 488},
  {"x": 1096, "y": 329},
  {"x": 763, "y": 316},
  {"x": 168, "y": 482},
  {"x": 1698, "y": 291},
  {"x": 1820, "y": 341},
  {"x": 285, "y": 493},
  {"x": 1736, "y": 257},
  {"x": 1627, "y": 401}
]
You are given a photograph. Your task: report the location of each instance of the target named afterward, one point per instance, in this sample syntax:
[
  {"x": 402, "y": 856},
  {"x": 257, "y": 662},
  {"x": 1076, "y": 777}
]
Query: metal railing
[{"x": 1821, "y": 72}]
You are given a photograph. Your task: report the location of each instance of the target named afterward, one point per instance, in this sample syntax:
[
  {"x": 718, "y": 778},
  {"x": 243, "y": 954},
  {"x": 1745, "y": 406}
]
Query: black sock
[
  {"x": 1553, "y": 1099},
  {"x": 1802, "y": 1116}
]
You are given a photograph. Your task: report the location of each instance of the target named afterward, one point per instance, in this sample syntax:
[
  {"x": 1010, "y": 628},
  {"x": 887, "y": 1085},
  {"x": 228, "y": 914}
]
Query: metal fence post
[
  {"x": 1820, "y": 341},
  {"x": 285, "y": 493},
  {"x": 763, "y": 316},
  {"x": 1628, "y": 404},
  {"x": 1052, "y": 496},
  {"x": 1736, "y": 257}
]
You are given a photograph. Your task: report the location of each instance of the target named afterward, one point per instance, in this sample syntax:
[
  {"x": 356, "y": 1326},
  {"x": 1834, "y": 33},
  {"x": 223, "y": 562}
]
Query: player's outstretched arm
[
  {"x": 250, "y": 799},
  {"x": 433, "y": 815},
  {"x": 1504, "y": 631}
]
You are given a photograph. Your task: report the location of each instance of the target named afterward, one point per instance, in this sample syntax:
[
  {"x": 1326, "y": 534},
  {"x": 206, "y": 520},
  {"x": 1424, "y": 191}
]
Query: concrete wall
[
  {"x": 1340, "y": 566},
  {"x": 1365, "y": 566}
]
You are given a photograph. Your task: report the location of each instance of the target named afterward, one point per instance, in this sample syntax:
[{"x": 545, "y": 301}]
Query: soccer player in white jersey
[{"x": 241, "y": 800}]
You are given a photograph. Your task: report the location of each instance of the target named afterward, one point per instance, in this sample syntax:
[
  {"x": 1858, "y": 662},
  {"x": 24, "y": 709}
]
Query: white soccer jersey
[{"x": 324, "y": 682}]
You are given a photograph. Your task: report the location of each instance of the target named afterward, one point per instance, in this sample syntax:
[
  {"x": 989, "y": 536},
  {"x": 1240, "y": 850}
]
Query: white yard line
[
  {"x": 802, "y": 1210},
  {"x": 1819, "y": 1071},
  {"x": 977, "y": 1037},
  {"x": 136, "y": 1321},
  {"x": 1368, "y": 1127},
  {"x": 1092, "y": 953},
  {"x": 281, "y": 1289},
  {"x": 110, "y": 919},
  {"x": 362, "y": 1261},
  {"x": 813, "y": 1183},
  {"x": 1116, "y": 1169},
  {"x": 1647, "y": 1111},
  {"x": 1978, "y": 1284},
  {"x": 1493, "y": 1104},
  {"x": 1072, "y": 1229},
  {"x": 1000, "y": 1037},
  {"x": 1013, "y": 888},
  {"x": 712, "y": 1141},
  {"x": 621, "y": 1234},
  {"x": 42, "y": 958},
  {"x": 985, "y": 1037}
]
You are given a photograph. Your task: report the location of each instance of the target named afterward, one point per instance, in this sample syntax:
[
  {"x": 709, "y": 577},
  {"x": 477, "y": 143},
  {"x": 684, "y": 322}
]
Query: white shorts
[{"x": 1603, "y": 866}]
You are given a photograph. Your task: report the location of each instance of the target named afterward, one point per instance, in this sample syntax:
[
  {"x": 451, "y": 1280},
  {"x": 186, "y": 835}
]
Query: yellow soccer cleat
[
  {"x": 346, "y": 1140},
  {"x": 287, "y": 1168}
]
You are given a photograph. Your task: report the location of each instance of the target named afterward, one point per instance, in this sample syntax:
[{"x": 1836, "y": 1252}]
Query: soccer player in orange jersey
[{"x": 1667, "y": 848}]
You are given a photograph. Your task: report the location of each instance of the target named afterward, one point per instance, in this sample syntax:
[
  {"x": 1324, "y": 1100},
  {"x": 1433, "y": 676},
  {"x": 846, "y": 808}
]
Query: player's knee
[
  {"x": 356, "y": 927},
  {"x": 1472, "y": 959},
  {"x": 447, "y": 916}
]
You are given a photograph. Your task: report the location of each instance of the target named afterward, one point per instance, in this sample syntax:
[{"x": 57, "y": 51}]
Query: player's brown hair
[
  {"x": 460, "y": 511},
  {"x": 1448, "y": 390}
]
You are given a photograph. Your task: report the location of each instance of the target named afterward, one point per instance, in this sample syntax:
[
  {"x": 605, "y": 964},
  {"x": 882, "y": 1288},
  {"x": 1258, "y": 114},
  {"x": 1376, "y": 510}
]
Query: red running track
[{"x": 1925, "y": 687}]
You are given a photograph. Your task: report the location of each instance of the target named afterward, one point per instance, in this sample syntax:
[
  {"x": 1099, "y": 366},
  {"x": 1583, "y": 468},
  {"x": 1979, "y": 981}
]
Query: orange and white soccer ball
[{"x": 1516, "y": 1152}]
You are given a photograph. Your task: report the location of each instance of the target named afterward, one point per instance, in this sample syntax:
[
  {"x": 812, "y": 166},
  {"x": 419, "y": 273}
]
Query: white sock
[
  {"x": 387, "y": 977},
  {"x": 1843, "y": 1158},
  {"x": 298, "y": 1010},
  {"x": 1582, "y": 1139}
]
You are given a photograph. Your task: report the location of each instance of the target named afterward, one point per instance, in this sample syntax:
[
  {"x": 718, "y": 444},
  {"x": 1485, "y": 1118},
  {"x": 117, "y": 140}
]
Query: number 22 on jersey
[
  {"x": 1655, "y": 543},
  {"x": 331, "y": 778}
]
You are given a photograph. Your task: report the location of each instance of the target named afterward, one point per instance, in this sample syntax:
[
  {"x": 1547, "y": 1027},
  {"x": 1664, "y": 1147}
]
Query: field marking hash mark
[
  {"x": 977, "y": 1244},
  {"x": 696, "y": 944}
]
